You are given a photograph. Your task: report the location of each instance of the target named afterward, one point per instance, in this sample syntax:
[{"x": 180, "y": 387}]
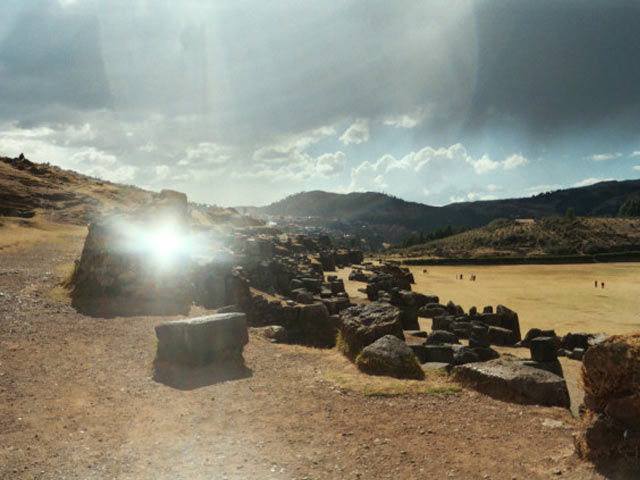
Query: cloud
[
  {"x": 483, "y": 165},
  {"x": 162, "y": 171},
  {"x": 470, "y": 197},
  {"x": 543, "y": 188},
  {"x": 600, "y": 157},
  {"x": 205, "y": 154},
  {"x": 357, "y": 133},
  {"x": 514, "y": 161},
  {"x": 636, "y": 167},
  {"x": 408, "y": 120},
  {"x": 635, "y": 153},
  {"x": 494, "y": 188},
  {"x": 589, "y": 181},
  {"x": 331, "y": 164}
]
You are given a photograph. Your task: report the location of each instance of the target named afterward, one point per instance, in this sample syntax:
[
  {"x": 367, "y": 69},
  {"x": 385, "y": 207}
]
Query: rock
[
  {"x": 431, "y": 310},
  {"x": 501, "y": 336},
  {"x": 479, "y": 337},
  {"x": 438, "y": 353},
  {"x": 544, "y": 349},
  {"x": 473, "y": 311},
  {"x": 201, "y": 341},
  {"x": 443, "y": 322},
  {"x": 416, "y": 333},
  {"x": 465, "y": 355},
  {"x": 625, "y": 410},
  {"x": 514, "y": 382},
  {"x": 454, "y": 309},
  {"x": 409, "y": 318},
  {"x": 361, "y": 325},
  {"x": 316, "y": 328},
  {"x": 441, "y": 337},
  {"x": 487, "y": 309},
  {"x": 509, "y": 320},
  {"x": 485, "y": 354},
  {"x": 573, "y": 340},
  {"x": 303, "y": 296},
  {"x": 461, "y": 328},
  {"x": 275, "y": 333},
  {"x": 389, "y": 356},
  {"x": 552, "y": 366},
  {"x": 420, "y": 351},
  {"x": 576, "y": 354}
]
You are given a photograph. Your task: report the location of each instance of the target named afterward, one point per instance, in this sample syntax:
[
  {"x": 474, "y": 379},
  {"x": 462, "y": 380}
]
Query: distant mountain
[
  {"x": 548, "y": 236},
  {"x": 601, "y": 199}
]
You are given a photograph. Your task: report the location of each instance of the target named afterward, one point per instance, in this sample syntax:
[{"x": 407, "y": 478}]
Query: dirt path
[{"x": 77, "y": 401}]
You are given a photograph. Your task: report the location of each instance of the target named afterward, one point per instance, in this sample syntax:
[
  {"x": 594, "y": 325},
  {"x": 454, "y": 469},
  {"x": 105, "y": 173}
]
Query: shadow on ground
[{"x": 190, "y": 378}]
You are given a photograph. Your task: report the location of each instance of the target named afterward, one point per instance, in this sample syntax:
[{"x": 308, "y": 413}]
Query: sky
[{"x": 244, "y": 102}]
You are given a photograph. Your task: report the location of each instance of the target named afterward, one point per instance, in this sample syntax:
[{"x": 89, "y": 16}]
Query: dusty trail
[{"x": 77, "y": 401}]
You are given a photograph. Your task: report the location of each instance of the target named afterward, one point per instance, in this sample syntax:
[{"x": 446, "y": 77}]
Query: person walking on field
[
  {"x": 602, "y": 284},
  {"x": 596, "y": 283}
]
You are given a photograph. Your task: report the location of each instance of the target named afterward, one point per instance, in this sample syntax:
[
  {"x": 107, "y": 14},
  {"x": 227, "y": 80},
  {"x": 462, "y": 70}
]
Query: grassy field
[{"x": 562, "y": 297}]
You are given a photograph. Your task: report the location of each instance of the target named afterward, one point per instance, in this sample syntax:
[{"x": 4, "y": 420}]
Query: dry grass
[
  {"x": 21, "y": 233},
  {"x": 560, "y": 297}
]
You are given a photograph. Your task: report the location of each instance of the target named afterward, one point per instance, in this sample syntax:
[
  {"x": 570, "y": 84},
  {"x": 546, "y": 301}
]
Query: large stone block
[
  {"x": 201, "y": 341},
  {"x": 515, "y": 382}
]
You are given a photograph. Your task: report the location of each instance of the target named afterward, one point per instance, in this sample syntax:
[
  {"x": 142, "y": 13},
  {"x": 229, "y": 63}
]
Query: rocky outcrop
[
  {"x": 514, "y": 382},
  {"x": 611, "y": 410},
  {"x": 389, "y": 356},
  {"x": 361, "y": 325},
  {"x": 136, "y": 264}
]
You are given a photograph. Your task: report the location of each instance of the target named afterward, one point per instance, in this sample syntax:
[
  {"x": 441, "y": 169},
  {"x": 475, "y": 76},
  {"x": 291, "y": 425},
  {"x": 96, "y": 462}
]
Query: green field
[{"x": 562, "y": 297}]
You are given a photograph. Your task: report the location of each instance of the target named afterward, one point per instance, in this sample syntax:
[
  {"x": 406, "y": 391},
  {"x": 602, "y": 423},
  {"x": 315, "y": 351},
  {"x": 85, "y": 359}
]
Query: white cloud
[
  {"x": 408, "y": 120},
  {"x": 600, "y": 157},
  {"x": 494, "y": 188},
  {"x": 635, "y": 153},
  {"x": 544, "y": 188},
  {"x": 636, "y": 167},
  {"x": 590, "y": 181},
  {"x": 93, "y": 156},
  {"x": 357, "y": 133},
  {"x": 514, "y": 161},
  {"x": 162, "y": 171},
  {"x": 483, "y": 165},
  {"x": 331, "y": 164},
  {"x": 426, "y": 191},
  {"x": 205, "y": 153}
]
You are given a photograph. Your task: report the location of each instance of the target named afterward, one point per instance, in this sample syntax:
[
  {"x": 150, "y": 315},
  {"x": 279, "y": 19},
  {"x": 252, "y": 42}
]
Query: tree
[{"x": 630, "y": 207}]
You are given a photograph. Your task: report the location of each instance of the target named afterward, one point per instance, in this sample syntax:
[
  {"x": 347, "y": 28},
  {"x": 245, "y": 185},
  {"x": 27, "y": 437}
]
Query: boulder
[
  {"x": 438, "y": 353},
  {"x": 315, "y": 328},
  {"x": 416, "y": 333},
  {"x": 512, "y": 381},
  {"x": 509, "y": 320},
  {"x": 201, "y": 341},
  {"x": 553, "y": 366},
  {"x": 576, "y": 354},
  {"x": 501, "y": 336},
  {"x": 391, "y": 357},
  {"x": 361, "y": 325},
  {"x": 479, "y": 337},
  {"x": 440, "y": 337},
  {"x": 465, "y": 355},
  {"x": 432, "y": 310},
  {"x": 409, "y": 318},
  {"x": 535, "y": 333},
  {"x": 544, "y": 349},
  {"x": 485, "y": 354},
  {"x": 442, "y": 322}
]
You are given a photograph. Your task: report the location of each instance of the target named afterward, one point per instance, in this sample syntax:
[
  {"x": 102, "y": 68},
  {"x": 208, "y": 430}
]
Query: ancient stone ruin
[{"x": 611, "y": 409}]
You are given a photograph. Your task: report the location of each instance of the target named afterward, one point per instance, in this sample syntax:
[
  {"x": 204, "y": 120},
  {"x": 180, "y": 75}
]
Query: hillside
[
  {"x": 601, "y": 199},
  {"x": 38, "y": 201},
  {"x": 548, "y": 236}
]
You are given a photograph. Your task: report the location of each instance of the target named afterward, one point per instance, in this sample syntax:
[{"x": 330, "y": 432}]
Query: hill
[
  {"x": 39, "y": 201},
  {"x": 601, "y": 199},
  {"x": 547, "y": 236}
]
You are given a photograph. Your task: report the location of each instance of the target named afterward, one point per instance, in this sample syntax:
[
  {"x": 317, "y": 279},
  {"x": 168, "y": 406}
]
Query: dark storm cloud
[
  {"x": 50, "y": 59},
  {"x": 549, "y": 65}
]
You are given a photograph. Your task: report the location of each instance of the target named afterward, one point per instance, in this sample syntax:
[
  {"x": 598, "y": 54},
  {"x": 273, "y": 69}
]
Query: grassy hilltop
[{"x": 548, "y": 236}]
